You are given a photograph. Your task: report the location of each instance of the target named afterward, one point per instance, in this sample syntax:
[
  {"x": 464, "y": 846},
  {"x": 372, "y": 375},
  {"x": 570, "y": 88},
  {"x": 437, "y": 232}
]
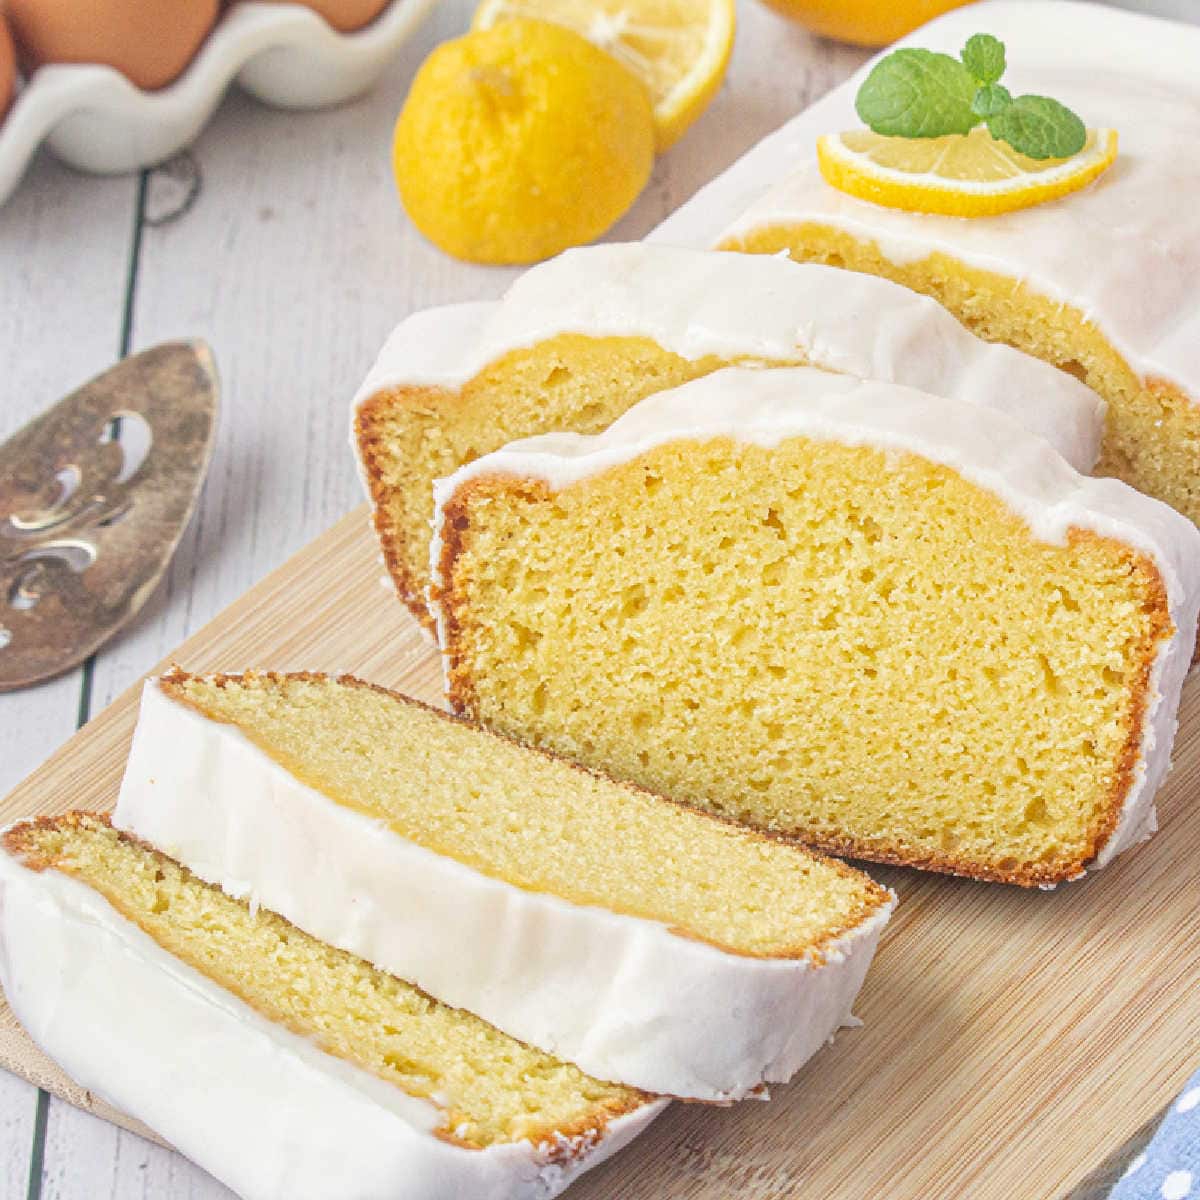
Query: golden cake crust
[
  {"x": 528, "y": 391},
  {"x": 372, "y": 450}
]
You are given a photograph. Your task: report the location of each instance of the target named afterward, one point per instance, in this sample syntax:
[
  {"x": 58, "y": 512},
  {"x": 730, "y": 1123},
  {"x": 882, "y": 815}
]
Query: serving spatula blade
[{"x": 94, "y": 497}]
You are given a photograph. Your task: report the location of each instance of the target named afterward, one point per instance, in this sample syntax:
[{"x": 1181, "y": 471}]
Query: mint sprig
[
  {"x": 991, "y": 99},
  {"x": 983, "y": 56},
  {"x": 922, "y": 94},
  {"x": 917, "y": 93},
  {"x": 1038, "y": 127}
]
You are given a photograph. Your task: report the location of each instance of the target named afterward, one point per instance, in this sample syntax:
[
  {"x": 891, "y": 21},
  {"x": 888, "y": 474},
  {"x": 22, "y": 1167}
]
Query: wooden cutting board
[{"x": 1012, "y": 1039}]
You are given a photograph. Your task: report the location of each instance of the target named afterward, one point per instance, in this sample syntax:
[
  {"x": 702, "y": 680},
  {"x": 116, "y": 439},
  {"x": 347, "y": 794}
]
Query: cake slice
[
  {"x": 896, "y": 626},
  {"x": 578, "y": 340},
  {"x": 647, "y": 942},
  {"x": 284, "y": 1067},
  {"x": 1100, "y": 283}
]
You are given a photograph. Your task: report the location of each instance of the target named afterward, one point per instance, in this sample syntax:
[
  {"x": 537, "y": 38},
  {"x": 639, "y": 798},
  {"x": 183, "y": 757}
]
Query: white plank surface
[
  {"x": 65, "y": 253},
  {"x": 294, "y": 262},
  {"x": 64, "y": 258},
  {"x": 86, "y": 1157}
]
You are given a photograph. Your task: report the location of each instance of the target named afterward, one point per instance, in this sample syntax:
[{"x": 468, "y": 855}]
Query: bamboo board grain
[{"x": 1012, "y": 1039}]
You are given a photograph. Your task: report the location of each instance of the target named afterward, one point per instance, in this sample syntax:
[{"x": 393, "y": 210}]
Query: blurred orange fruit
[{"x": 863, "y": 22}]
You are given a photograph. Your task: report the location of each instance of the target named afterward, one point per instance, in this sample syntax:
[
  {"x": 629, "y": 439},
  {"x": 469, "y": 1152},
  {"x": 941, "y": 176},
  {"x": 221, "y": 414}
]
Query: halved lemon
[
  {"x": 961, "y": 175},
  {"x": 678, "y": 48}
]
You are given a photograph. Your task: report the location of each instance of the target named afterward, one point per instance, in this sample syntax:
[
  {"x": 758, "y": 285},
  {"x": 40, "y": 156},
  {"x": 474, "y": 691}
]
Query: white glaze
[
  {"x": 262, "y": 1109},
  {"x": 698, "y": 303},
  {"x": 624, "y": 998},
  {"x": 1125, "y": 251},
  {"x": 987, "y": 447}
]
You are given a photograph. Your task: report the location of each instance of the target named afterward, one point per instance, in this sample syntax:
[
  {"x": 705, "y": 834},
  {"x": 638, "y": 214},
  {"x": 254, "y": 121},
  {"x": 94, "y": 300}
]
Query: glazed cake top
[
  {"x": 697, "y": 303},
  {"x": 1124, "y": 251},
  {"x": 323, "y": 1111},
  {"x": 203, "y": 781}
]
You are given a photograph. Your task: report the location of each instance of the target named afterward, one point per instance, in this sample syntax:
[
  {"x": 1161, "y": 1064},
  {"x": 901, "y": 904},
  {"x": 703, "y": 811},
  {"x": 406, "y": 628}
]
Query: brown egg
[
  {"x": 344, "y": 15},
  {"x": 149, "y": 41},
  {"x": 8, "y": 67}
]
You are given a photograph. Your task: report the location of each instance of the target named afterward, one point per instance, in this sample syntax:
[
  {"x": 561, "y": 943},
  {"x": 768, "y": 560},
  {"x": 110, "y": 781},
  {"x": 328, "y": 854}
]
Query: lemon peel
[{"x": 518, "y": 141}]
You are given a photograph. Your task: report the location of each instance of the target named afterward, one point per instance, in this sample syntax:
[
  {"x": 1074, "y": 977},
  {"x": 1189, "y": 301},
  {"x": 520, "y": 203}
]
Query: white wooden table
[{"x": 294, "y": 262}]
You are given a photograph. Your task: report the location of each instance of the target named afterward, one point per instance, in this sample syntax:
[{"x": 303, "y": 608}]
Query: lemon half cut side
[{"x": 678, "y": 48}]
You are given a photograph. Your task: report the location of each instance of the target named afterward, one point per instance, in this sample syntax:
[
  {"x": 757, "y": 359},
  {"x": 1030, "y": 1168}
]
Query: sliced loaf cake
[
  {"x": 645, "y": 941},
  {"x": 284, "y": 1067},
  {"x": 1100, "y": 282},
  {"x": 578, "y": 340},
  {"x": 897, "y": 626}
]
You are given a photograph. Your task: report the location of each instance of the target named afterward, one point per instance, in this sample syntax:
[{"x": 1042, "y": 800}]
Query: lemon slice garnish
[{"x": 960, "y": 175}]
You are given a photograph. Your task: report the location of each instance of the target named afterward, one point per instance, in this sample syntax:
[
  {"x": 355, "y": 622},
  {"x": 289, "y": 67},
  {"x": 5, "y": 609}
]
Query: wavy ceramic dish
[{"x": 95, "y": 119}]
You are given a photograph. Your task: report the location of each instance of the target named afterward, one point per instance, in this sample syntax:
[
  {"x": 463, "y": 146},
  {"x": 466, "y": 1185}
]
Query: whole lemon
[
  {"x": 520, "y": 140},
  {"x": 863, "y": 22}
]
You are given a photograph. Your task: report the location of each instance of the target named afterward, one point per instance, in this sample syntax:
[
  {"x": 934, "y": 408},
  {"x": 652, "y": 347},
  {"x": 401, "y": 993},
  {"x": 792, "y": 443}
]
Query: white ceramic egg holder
[{"x": 286, "y": 55}]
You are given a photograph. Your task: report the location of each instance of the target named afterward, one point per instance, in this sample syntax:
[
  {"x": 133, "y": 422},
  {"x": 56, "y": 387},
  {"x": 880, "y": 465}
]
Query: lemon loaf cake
[
  {"x": 1100, "y": 283},
  {"x": 283, "y": 1066},
  {"x": 579, "y": 340},
  {"x": 898, "y": 626},
  {"x": 649, "y": 943}
]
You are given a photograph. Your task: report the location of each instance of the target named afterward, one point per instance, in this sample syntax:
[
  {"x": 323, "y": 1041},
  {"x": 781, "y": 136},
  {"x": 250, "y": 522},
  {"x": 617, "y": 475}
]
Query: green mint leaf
[
  {"x": 983, "y": 56},
  {"x": 1039, "y": 127},
  {"x": 917, "y": 93},
  {"x": 990, "y": 99}
]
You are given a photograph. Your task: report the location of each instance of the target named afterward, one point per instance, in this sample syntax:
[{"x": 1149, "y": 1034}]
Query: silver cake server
[{"x": 94, "y": 497}]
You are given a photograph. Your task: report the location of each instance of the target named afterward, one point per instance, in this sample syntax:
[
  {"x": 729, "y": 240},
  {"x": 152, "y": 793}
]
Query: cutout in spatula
[{"x": 94, "y": 497}]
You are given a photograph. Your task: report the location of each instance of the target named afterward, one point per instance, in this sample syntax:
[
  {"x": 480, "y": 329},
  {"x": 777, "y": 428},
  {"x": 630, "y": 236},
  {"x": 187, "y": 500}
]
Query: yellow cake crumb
[
  {"x": 799, "y": 658},
  {"x": 410, "y": 436},
  {"x": 537, "y": 822}
]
